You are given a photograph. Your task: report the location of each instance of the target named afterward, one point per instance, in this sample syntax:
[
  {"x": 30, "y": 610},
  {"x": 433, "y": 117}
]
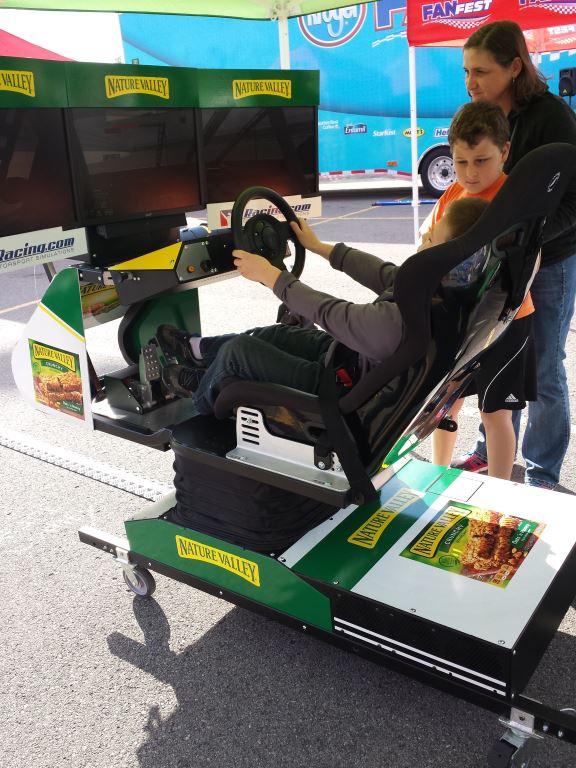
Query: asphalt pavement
[{"x": 93, "y": 677}]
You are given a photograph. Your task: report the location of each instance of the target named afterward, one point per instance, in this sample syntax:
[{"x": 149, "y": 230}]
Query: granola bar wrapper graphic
[
  {"x": 57, "y": 378},
  {"x": 477, "y": 543}
]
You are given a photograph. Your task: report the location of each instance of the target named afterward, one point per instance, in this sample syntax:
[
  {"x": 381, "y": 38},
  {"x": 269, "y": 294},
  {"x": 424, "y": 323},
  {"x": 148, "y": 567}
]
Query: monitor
[
  {"x": 273, "y": 147},
  {"x": 35, "y": 188},
  {"x": 133, "y": 163}
]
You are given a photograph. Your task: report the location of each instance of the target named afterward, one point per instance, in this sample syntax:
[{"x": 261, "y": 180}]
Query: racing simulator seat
[{"x": 289, "y": 459}]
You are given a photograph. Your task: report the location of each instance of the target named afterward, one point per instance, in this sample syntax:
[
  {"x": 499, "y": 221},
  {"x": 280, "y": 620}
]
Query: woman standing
[{"x": 498, "y": 69}]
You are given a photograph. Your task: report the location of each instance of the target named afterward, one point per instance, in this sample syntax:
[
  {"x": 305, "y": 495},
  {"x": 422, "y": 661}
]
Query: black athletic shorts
[{"x": 506, "y": 379}]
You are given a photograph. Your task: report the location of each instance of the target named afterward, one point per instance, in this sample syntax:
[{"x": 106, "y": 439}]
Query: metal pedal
[{"x": 150, "y": 368}]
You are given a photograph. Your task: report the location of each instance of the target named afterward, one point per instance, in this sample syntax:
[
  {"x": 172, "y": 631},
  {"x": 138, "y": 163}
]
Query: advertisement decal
[
  {"x": 57, "y": 378},
  {"x": 17, "y": 81},
  {"x": 240, "y": 566},
  {"x": 328, "y": 29},
  {"x": 41, "y": 247},
  {"x": 479, "y": 544}
]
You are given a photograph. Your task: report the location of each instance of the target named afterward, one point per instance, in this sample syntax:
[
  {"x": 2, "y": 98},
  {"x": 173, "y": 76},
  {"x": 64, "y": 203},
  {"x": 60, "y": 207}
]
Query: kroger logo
[
  {"x": 355, "y": 128},
  {"x": 331, "y": 28},
  {"x": 457, "y": 14}
]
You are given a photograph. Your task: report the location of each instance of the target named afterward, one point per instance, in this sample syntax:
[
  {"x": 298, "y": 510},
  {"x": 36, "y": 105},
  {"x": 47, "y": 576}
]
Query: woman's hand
[
  {"x": 308, "y": 238},
  {"x": 255, "y": 267}
]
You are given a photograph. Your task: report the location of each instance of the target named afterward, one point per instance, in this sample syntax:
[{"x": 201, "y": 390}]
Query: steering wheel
[{"x": 263, "y": 233}]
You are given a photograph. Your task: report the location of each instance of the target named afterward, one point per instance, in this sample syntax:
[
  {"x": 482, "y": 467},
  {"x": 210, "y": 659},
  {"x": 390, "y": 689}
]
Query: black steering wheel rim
[{"x": 238, "y": 234}]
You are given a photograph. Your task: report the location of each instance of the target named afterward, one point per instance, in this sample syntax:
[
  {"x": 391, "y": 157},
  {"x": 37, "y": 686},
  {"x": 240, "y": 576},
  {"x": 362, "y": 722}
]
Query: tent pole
[
  {"x": 413, "y": 138},
  {"x": 283, "y": 40}
]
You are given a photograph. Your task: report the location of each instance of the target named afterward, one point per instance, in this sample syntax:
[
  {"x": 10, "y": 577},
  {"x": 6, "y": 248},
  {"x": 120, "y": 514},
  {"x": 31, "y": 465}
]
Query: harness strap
[{"x": 342, "y": 438}]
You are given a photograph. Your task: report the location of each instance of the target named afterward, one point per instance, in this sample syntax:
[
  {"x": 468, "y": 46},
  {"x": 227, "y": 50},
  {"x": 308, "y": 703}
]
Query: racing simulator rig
[{"x": 323, "y": 519}]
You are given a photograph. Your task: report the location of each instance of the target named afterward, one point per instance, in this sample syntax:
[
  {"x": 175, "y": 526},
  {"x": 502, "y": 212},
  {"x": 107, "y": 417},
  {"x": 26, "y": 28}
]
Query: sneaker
[
  {"x": 175, "y": 343},
  {"x": 470, "y": 462},
  {"x": 181, "y": 380},
  {"x": 539, "y": 484}
]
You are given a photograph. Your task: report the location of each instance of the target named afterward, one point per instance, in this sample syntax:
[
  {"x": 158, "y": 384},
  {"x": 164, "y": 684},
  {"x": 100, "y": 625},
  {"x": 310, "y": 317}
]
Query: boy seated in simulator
[
  {"x": 293, "y": 356},
  {"x": 479, "y": 139}
]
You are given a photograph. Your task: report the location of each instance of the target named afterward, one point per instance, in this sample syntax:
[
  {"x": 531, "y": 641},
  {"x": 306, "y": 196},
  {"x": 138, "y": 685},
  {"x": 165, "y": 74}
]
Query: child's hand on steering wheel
[
  {"x": 308, "y": 238},
  {"x": 255, "y": 267}
]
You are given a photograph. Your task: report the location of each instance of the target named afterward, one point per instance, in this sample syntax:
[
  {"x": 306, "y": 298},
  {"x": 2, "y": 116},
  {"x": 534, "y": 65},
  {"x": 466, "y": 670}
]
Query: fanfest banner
[{"x": 450, "y": 22}]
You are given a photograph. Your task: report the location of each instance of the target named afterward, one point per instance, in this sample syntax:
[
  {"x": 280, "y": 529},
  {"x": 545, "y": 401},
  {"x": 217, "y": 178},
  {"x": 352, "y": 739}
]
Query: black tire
[
  {"x": 437, "y": 171},
  {"x": 140, "y": 581}
]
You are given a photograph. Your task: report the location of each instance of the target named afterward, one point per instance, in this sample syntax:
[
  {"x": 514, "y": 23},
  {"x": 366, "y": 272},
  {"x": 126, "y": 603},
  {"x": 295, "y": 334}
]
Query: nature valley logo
[
  {"x": 195, "y": 550},
  {"x": 434, "y": 534},
  {"x": 17, "y": 81},
  {"x": 369, "y": 533},
  {"x": 44, "y": 353},
  {"x": 242, "y": 89},
  {"x": 121, "y": 85}
]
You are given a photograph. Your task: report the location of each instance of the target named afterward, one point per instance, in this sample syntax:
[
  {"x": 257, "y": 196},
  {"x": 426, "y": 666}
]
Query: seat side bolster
[{"x": 256, "y": 394}]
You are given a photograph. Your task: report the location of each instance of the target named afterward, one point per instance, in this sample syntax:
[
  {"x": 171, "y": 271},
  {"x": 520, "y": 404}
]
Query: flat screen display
[
  {"x": 274, "y": 147},
  {"x": 35, "y": 189},
  {"x": 131, "y": 163}
]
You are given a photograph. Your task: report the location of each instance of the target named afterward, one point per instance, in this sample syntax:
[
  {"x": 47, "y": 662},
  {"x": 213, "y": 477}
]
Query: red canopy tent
[
  {"x": 450, "y": 22},
  {"x": 549, "y": 25},
  {"x": 10, "y": 45}
]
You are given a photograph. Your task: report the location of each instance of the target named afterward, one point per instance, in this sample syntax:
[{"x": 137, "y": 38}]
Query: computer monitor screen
[
  {"x": 274, "y": 147},
  {"x": 131, "y": 163},
  {"x": 35, "y": 190}
]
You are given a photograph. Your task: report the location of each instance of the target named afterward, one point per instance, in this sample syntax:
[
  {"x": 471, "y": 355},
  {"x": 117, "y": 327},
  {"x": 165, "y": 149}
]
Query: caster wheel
[
  {"x": 502, "y": 755},
  {"x": 140, "y": 581}
]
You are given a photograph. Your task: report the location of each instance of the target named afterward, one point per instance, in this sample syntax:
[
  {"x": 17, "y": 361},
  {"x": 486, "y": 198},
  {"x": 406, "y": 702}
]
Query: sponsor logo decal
[
  {"x": 32, "y": 252},
  {"x": 385, "y": 132},
  {"x": 555, "y": 6},
  {"x": 462, "y": 15},
  {"x": 429, "y": 542},
  {"x": 242, "y": 89},
  {"x": 441, "y": 133},
  {"x": 239, "y": 566},
  {"x": 45, "y": 353},
  {"x": 329, "y": 29},
  {"x": 355, "y": 128},
  {"x": 56, "y": 379},
  {"x": 328, "y": 125},
  {"x": 17, "y": 81},
  {"x": 371, "y": 530},
  {"x": 226, "y": 213},
  {"x": 407, "y": 132},
  {"x": 121, "y": 85},
  {"x": 553, "y": 181},
  {"x": 384, "y": 11}
]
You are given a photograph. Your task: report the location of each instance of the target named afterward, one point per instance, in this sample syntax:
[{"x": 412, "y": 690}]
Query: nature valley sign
[
  {"x": 17, "y": 81},
  {"x": 121, "y": 85},
  {"x": 240, "y": 566},
  {"x": 242, "y": 89}
]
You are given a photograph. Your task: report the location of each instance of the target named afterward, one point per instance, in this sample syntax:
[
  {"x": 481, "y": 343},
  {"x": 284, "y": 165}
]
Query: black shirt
[{"x": 544, "y": 120}]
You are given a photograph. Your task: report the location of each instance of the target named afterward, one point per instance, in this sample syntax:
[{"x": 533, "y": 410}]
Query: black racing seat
[{"x": 456, "y": 299}]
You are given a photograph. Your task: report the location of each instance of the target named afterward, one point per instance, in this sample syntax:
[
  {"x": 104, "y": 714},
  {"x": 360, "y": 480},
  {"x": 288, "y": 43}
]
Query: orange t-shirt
[{"x": 455, "y": 192}]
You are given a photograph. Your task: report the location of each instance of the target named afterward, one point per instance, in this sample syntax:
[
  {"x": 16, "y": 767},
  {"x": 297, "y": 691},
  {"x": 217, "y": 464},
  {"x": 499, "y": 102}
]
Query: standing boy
[{"x": 479, "y": 139}]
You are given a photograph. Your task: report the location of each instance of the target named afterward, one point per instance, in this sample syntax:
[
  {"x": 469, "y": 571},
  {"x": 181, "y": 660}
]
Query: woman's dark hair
[
  {"x": 479, "y": 120},
  {"x": 505, "y": 41}
]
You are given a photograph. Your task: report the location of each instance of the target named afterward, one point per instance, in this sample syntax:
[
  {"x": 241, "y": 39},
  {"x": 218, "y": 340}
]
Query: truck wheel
[
  {"x": 140, "y": 581},
  {"x": 437, "y": 171}
]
